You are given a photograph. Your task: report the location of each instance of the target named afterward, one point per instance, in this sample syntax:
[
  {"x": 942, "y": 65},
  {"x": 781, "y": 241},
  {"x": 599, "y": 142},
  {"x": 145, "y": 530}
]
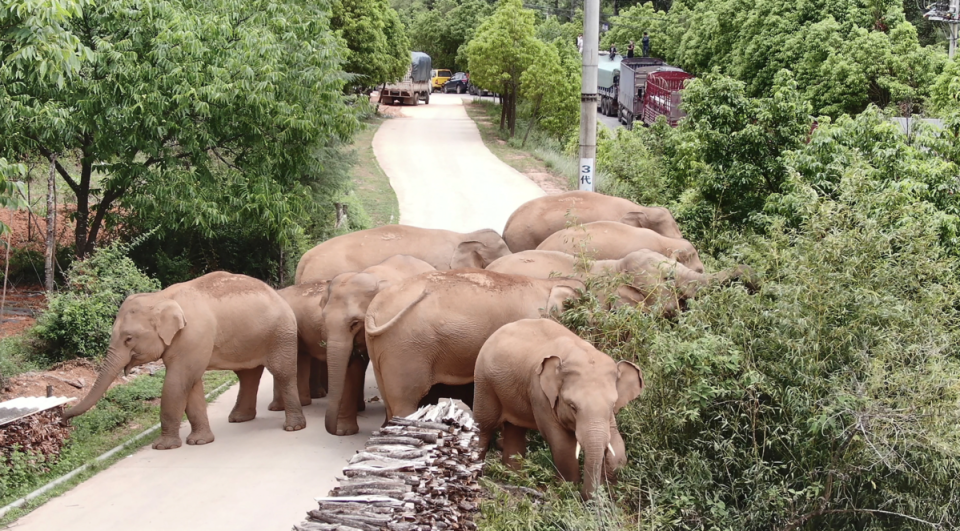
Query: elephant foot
[
  {"x": 347, "y": 428},
  {"x": 166, "y": 442},
  {"x": 276, "y": 405},
  {"x": 200, "y": 437},
  {"x": 361, "y": 406},
  {"x": 319, "y": 392},
  {"x": 242, "y": 416},
  {"x": 295, "y": 424},
  {"x": 305, "y": 401}
]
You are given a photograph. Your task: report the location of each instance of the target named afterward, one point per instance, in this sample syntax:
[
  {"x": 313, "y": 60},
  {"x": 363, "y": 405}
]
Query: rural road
[
  {"x": 445, "y": 178},
  {"x": 255, "y": 476}
]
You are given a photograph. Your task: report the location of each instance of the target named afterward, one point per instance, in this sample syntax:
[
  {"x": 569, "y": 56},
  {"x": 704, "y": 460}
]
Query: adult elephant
[
  {"x": 609, "y": 240},
  {"x": 429, "y": 329},
  {"x": 344, "y": 307},
  {"x": 538, "y": 218},
  {"x": 442, "y": 249},
  {"x": 650, "y": 278},
  {"x": 219, "y": 321}
]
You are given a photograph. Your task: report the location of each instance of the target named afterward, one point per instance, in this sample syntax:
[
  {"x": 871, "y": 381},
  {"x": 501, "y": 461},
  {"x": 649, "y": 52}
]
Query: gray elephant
[
  {"x": 442, "y": 249},
  {"x": 650, "y": 278},
  {"x": 538, "y": 218},
  {"x": 305, "y": 301},
  {"x": 607, "y": 240},
  {"x": 344, "y": 307},
  {"x": 429, "y": 329},
  {"x": 219, "y": 321},
  {"x": 535, "y": 374}
]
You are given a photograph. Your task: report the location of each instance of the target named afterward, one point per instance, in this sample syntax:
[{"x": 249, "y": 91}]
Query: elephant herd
[{"x": 427, "y": 307}]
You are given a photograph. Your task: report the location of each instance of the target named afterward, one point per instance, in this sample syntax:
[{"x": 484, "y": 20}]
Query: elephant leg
[
  {"x": 563, "y": 448},
  {"x": 514, "y": 443},
  {"x": 197, "y": 415},
  {"x": 173, "y": 402},
  {"x": 404, "y": 383},
  {"x": 318, "y": 378},
  {"x": 487, "y": 411},
  {"x": 304, "y": 363},
  {"x": 282, "y": 363},
  {"x": 352, "y": 396},
  {"x": 246, "y": 407},
  {"x": 361, "y": 383}
]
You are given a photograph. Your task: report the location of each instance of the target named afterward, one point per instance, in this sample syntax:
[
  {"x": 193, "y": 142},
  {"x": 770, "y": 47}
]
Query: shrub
[
  {"x": 827, "y": 401},
  {"x": 78, "y": 320}
]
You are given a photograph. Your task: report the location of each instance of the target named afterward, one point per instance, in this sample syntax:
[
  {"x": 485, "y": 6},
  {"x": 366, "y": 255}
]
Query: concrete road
[
  {"x": 445, "y": 178},
  {"x": 611, "y": 122},
  {"x": 254, "y": 476}
]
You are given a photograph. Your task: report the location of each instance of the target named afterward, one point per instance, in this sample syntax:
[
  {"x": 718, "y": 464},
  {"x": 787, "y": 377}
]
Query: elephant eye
[
  {"x": 127, "y": 341},
  {"x": 572, "y": 406}
]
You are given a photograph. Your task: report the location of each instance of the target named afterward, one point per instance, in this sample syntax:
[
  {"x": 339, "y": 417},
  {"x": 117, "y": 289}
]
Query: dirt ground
[{"x": 72, "y": 378}]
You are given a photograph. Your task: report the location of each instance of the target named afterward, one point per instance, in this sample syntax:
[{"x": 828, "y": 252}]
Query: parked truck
[
  {"x": 414, "y": 87},
  {"x": 608, "y": 79},
  {"x": 648, "y": 88}
]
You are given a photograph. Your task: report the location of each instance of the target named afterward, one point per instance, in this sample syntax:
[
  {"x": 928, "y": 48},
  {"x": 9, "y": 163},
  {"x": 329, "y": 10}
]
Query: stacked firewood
[
  {"x": 40, "y": 433},
  {"x": 416, "y": 473}
]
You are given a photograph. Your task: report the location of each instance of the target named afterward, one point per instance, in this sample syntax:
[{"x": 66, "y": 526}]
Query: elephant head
[
  {"x": 559, "y": 294},
  {"x": 478, "y": 250},
  {"x": 585, "y": 396},
  {"x": 344, "y": 307},
  {"x": 636, "y": 219},
  {"x": 146, "y": 325}
]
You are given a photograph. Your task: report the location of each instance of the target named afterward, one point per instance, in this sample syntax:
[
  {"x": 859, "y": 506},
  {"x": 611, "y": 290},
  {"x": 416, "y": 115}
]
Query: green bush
[
  {"x": 827, "y": 401},
  {"x": 78, "y": 320}
]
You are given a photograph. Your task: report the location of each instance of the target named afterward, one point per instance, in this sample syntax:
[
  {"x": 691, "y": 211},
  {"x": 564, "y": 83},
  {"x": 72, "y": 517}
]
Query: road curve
[
  {"x": 445, "y": 178},
  {"x": 255, "y": 476}
]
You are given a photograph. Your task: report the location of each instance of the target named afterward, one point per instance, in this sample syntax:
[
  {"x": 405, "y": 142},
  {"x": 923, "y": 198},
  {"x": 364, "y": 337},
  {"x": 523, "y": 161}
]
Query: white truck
[{"x": 414, "y": 87}]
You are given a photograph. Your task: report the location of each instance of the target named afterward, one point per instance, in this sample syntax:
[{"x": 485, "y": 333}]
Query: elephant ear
[
  {"x": 558, "y": 295},
  {"x": 635, "y": 219},
  {"x": 629, "y": 383},
  {"x": 550, "y": 380},
  {"x": 169, "y": 320},
  {"x": 467, "y": 254}
]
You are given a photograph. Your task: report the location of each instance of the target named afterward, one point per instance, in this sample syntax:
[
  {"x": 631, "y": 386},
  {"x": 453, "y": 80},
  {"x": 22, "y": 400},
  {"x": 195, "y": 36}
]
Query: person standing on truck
[
  {"x": 630, "y": 49},
  {"x": 613, "y": 51},
  {"x": 646, "y": 44}
]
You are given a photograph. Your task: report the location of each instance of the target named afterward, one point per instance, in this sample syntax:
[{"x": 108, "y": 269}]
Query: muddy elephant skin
[
  {"x": 442, "y": 249},
  {"x": 538, "y": 218},
  {"x": 650, "y": 279},
  {"x": 609, "y": 240},
  {"x": 219, "y": 321},
  {"x": 430, "y": 328},
  {"x": 536, "y": 375}
]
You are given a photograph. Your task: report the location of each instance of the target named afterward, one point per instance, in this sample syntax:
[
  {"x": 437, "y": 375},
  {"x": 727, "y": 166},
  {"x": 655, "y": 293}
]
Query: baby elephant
[{"x": 535, "y": 374}]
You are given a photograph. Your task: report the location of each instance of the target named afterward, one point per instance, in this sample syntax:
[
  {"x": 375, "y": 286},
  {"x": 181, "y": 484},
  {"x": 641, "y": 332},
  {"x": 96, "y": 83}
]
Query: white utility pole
[
  {"x": 588, "y": 93},
  {"x": 955, "y": 9}
]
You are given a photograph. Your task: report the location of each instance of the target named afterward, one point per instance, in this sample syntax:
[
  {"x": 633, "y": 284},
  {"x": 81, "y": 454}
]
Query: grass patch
[
  {"x": 15, "y": 357},
  {"x": 537, "y": 156},
  {"x": 371, "y": 184},
  {"x": 121, "y": 414}
]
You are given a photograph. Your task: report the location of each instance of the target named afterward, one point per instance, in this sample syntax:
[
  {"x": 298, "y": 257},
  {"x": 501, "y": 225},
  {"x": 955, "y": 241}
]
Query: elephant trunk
[
  {"x": 339, "y": 350},
  {"x": 595, "y": 439},
  {"x": 744, "y": 274},
  {"x": 111, "y": 368}
]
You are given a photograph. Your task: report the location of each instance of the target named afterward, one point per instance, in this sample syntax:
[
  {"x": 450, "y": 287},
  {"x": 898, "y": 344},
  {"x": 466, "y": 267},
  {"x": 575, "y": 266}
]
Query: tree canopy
[
  {"x": 179, "y": 102},
  {"x": 377, "y": 43}
]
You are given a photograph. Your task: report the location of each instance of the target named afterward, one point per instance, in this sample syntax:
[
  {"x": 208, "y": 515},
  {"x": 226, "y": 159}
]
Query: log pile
[{"x": 416, "y": 473}]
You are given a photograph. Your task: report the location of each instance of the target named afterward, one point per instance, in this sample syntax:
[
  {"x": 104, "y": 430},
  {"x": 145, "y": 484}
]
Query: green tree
[
  {"x": 504, "y": 47},
  {"x": 552, "y": 84},
  {"x": 945, "y": 93},
  {"x": 177, "y": 99},
  {"x": 379, "y": 50},
  {"x": 442, "y": 32}
]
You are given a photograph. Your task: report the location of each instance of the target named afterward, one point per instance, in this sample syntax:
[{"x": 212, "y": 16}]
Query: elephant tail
[{"x": 371, "y": 327}]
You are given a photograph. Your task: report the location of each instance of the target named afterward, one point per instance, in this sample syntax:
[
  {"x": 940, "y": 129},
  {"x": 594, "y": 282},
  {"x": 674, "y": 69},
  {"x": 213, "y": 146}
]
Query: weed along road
[
  {"x": 445, "y": 178},
  {"x": 255, "y": 476}
]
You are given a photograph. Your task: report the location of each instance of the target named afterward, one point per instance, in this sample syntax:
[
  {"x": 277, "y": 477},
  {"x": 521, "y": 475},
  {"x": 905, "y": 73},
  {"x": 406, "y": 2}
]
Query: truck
[
  {"x": 608, "y": 78},
  {"x": 648, "y": 88},
  {"x": 414, "y": 87}
]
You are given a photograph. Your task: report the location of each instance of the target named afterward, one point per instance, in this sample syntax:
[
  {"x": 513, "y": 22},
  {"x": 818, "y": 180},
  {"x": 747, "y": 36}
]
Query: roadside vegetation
[
  {"x": 829, "y": 400},
  {"x": 181, "y": 138}
]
